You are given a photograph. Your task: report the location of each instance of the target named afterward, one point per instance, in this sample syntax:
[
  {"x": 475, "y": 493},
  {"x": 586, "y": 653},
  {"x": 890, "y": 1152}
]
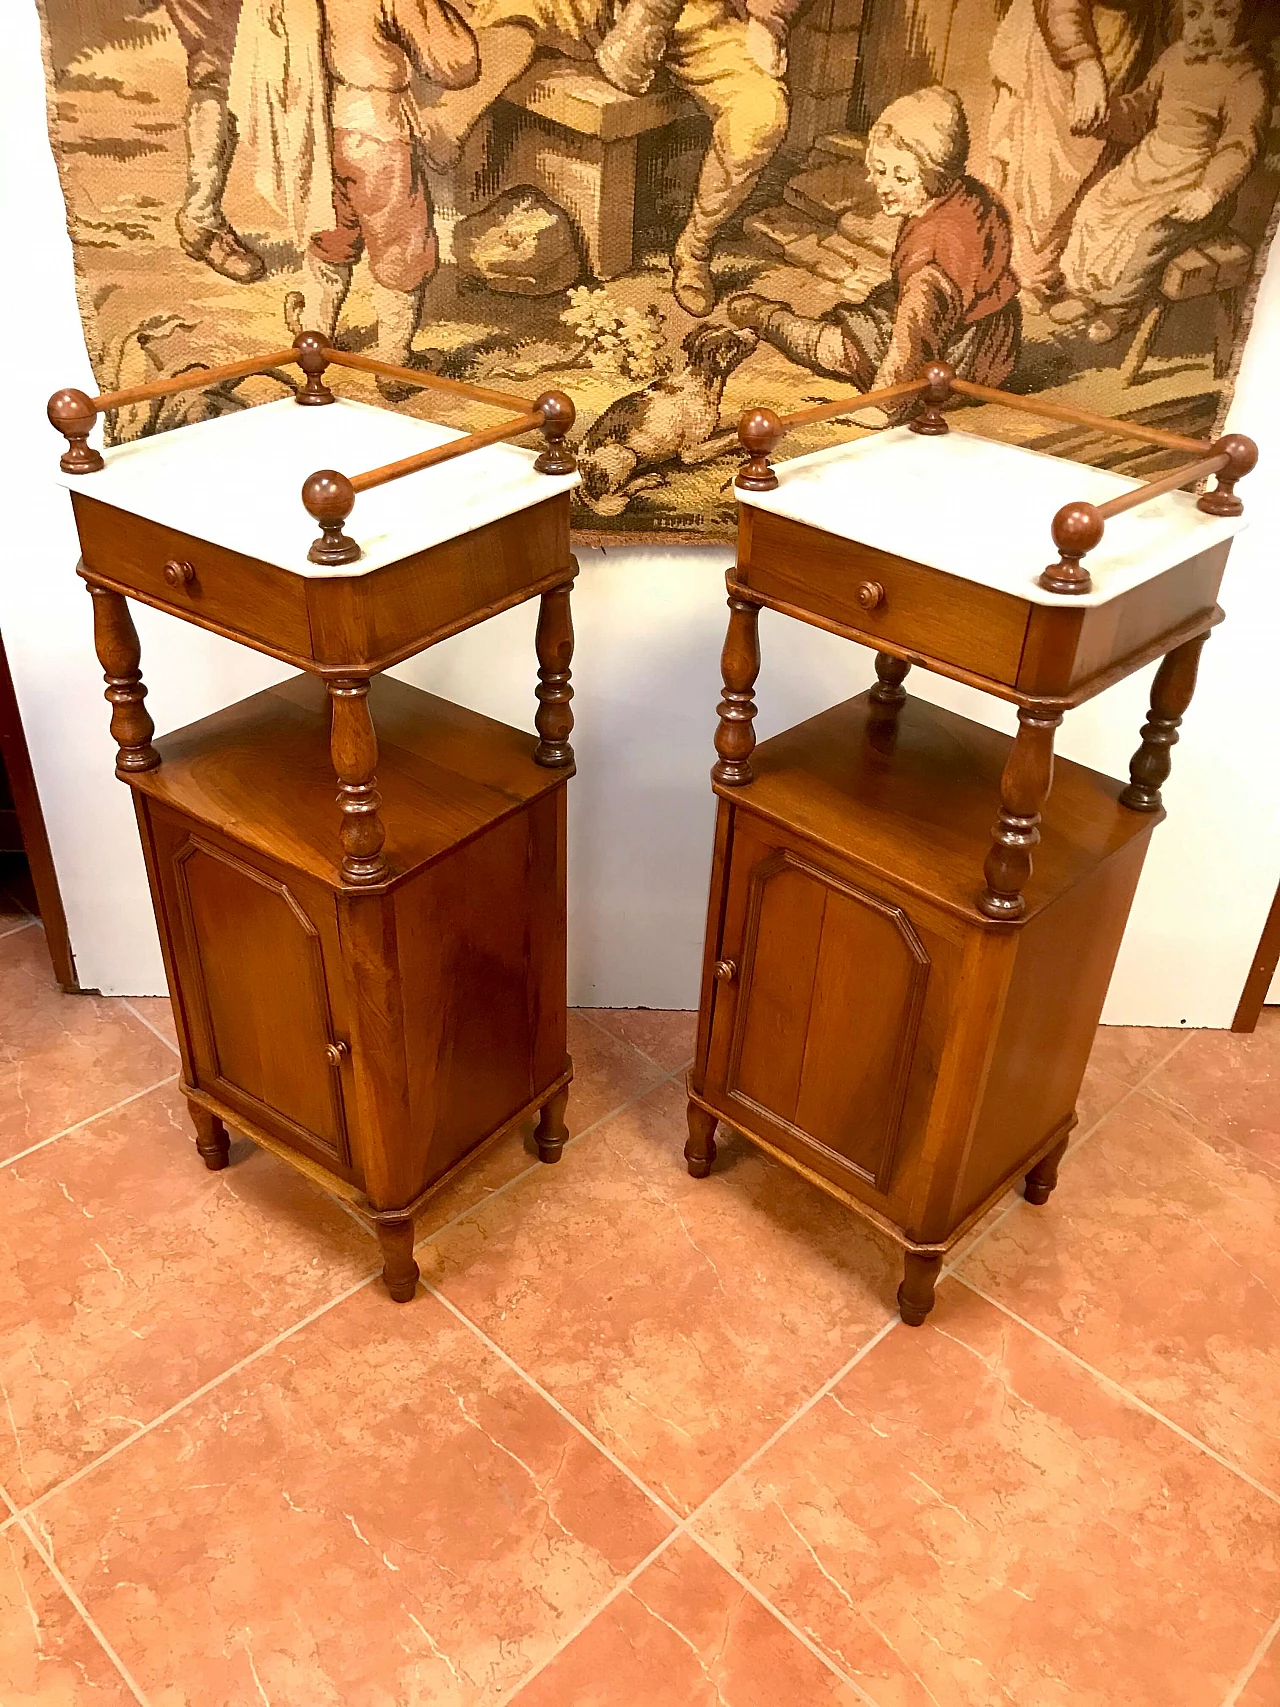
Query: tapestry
[{"x": 672, "y": 209}]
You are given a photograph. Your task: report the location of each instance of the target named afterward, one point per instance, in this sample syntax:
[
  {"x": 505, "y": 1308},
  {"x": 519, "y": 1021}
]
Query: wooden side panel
[
  {"x": 822, "y": 1035},
  {"x": 977, "y": 628},
  {"x": 253, "y": 948},
  {"x": 1066, "y": 648},
  {"x": 481, "y": 945},
  {"x": 1063, "y": 965},
  {"x": 408, "y": 604}
]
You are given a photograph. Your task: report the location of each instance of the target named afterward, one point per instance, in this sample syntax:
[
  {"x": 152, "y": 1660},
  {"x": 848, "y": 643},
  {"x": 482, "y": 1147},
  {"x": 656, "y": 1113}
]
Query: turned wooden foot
[
  {"x": 399, "y": 1270},
  {"x": 1039, "y": 1183},
  {"x": 551, "y": 1132},
  {"x": 211, "y": 1137},
  {"x": 915, "y": 1295},
  {"x": 700, "y": 1149}
]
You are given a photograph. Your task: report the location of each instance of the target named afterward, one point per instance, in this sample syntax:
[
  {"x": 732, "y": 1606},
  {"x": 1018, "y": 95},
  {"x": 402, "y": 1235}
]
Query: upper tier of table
[
  {"x": 236, "y": 482},
  {"x": 983, "y": 510}
]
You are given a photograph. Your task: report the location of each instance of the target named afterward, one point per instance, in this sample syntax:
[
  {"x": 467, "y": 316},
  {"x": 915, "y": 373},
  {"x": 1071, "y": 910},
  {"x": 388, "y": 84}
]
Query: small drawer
[
  {"x": 884, "y": 597},
  {"x": 205, "y": 584}
]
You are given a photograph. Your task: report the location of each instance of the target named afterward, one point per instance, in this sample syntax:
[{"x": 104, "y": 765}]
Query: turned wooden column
[
  {"x": 399, "y": 1269},
  {"x": 211, "y": 1137},
  {"x": 551, "y": 1132},
  {"x": 739, "y": 667},
  {"x": 353, "y": 743},
  {"x": 1171, "y": 693},
  {"x": 1024, "y": 787},
  {"x": 891, "y": 672},
  {"x": 554, "y": 641},
  {"x": 919, "y": 1278},
  {"x": 700, "y": 1146},
  {"x": 120, "y": 655},
  {"x": 1038, "y": 1185}
]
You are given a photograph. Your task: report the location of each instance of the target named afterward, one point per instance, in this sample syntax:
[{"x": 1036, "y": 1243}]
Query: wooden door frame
[
  {"x": 1263, "y": 970},
  {"x": 31, "y": 825}
]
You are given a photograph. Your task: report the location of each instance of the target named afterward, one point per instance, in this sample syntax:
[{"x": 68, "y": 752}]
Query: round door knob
[
  {"x": 725, "y": 970},
  {"x": 179, "y": 574},
  {"x": 336, "y": 1054},
  {"x": 870, "y": 594}
]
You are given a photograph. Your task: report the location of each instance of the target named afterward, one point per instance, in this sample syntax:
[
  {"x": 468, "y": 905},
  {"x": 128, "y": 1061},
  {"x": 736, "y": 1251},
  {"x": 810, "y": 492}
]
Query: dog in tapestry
[{"x": 673, "y": 419}]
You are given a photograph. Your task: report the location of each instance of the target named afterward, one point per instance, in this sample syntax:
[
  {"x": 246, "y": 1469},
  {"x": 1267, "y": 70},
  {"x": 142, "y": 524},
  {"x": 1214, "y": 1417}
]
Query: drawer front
[
  {"x": 883, "y": 597},
  {"x": 223, "y": 590}
]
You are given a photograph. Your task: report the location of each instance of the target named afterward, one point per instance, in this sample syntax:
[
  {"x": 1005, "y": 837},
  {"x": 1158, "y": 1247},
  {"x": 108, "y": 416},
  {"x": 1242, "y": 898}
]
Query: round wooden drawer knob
[
  {"x": 336, "y": 1054},
  {"x": 179, "y": 574},
  {"x": 725, "y": 970},
  {"x": 870, "y": 594}
]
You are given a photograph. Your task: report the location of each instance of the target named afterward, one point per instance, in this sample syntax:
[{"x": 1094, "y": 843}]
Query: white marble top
[
  {"x": 237, "y": 481},
  {"x": 983, "y": 510}
]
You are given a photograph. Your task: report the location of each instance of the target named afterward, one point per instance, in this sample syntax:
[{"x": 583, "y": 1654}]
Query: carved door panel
[
  {"x": 251, "y": 949},
  {"x": 818, "y": 1009}
]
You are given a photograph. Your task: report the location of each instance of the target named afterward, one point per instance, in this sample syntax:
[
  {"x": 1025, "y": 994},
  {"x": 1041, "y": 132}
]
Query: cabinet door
[
  {"x": 816, "y": 1024},
  {"x": 250, "y": 946}
]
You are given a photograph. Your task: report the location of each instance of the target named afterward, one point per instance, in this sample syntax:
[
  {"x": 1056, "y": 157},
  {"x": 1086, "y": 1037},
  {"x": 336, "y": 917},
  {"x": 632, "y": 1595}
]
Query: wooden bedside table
[
  {"x": 368, "y": 971},
  {"x": 873, "y": 1013}
]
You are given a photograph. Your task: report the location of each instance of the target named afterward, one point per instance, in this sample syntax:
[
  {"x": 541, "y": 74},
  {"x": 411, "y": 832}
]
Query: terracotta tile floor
[{"x": 641, "y": 1440}]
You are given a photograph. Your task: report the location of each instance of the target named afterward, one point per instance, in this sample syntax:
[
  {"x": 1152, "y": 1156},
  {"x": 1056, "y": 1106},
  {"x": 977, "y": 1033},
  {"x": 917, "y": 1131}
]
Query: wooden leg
[
  {"x": 915, "y": 1295},
  {"x": 399, "y": 1270},
  {"x": 551, "y": 1131},
  {"x": 211, "y": 1137},
  {"x": 120, "y": 655},
  {"x": 700, "y": 1148},
  {"x": 1039, "y": 1183},
  {"x": 554, "y": 720},
  {"x": 353, "y": 743},
  {"x": 1024, "y": 787},
  {"x": 891, "y": 672},
  {"x": 739, "y": 667},
  {"x": 1170, "y": 696}
]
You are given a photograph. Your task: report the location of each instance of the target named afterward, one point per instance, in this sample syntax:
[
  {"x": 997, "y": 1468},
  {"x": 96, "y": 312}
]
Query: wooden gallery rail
[
  {"x": 327, "y": 494},
  {"x": 1077, "y": 528}
]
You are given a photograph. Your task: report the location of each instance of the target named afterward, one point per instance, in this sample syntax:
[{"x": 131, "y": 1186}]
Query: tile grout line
[
  {"x": 294, "y": 1327},
  {"x": 950, "y": 1268},
  {"x": 153, "y": 1029},
  {"x": 619, "y": 1588},
  {"x": 1124, "y": 1392},
  {"x": 89, "y": 1119},
  {"x": 45, "y": 1555},
  {"x": 805, "y": 1640},
  {"x": 22, "y": 925},
  {"x": 613, "y": 1037},
  {"x": 581, "y": 1428},
  {"x": 1251, "y": 1665},
  {"x": 198, "y": 1393}
]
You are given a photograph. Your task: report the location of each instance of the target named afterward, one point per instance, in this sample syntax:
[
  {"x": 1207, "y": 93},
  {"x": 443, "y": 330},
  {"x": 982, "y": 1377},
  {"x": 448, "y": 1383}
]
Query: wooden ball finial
[
  {"x": 1222, "y": 499},
  {"x": 937, "y": 394},
  {"x": 1077, "y": 528},
  {"x": 330, "y": 497},
  {"x": 313, "y": 359},
  {"x": 73, "y": 415},
  {"x": 558, "y": 416},
  {"x": 758, "y": 432}
]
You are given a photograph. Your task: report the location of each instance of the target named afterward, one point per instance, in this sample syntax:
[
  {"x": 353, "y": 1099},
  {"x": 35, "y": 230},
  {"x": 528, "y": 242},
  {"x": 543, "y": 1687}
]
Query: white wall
[{"x": 649, "y": 627}]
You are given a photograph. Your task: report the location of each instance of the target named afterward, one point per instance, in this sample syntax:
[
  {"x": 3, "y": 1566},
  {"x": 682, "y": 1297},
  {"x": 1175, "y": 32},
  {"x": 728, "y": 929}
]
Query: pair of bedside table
[{"x": 898, "y": 1000}]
